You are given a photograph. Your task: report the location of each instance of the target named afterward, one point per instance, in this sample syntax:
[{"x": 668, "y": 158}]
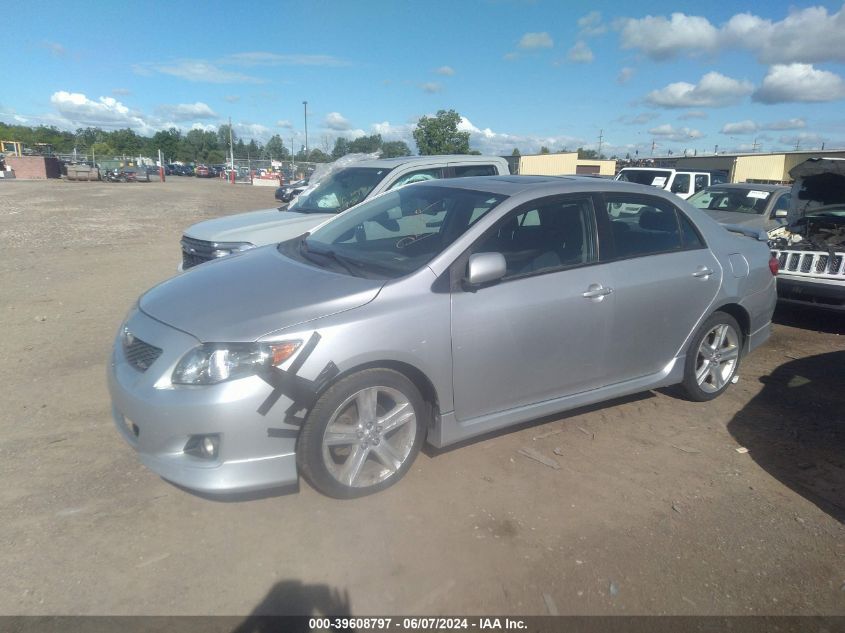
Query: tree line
[{"x": 437, "y": 134}]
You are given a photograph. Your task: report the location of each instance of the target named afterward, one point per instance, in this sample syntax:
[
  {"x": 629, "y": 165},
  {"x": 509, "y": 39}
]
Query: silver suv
[{"x": 336, "y": 192}]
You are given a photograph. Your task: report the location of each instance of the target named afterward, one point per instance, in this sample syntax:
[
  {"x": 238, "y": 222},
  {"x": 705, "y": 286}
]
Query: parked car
[
  {"x": 811, "y": 250},
  {"x": 288, "y": 192},
  {"x": 681, "y": 183},
  {"x": 152, "y": 171},
  {"x": 763, "y": 207},
  {"x": 434, "y": 312},
  {"x": 202, "y": 171},
  {"x": 336, "y": 192}
]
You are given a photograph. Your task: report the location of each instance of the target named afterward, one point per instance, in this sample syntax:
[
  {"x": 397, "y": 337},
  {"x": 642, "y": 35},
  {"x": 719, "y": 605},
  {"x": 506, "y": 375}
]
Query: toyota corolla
[{"x": 436, "y": 312}]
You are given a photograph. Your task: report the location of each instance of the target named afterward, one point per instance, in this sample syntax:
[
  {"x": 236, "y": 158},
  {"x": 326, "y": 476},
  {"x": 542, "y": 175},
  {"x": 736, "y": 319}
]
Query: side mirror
[
  {"x": 485, "y": 267},
  {"x": 781, "y": 213}
]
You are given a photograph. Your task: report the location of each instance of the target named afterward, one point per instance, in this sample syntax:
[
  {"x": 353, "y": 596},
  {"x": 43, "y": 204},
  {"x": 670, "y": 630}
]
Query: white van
[
  {"x": 337, "y": 191},
  {"x": 681, "y": 183}
]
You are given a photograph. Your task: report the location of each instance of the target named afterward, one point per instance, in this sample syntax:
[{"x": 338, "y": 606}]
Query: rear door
[{"x": 665, "y": 280}]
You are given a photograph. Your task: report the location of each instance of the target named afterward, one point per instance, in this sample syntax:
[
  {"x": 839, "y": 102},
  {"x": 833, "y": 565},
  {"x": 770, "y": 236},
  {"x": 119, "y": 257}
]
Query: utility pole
[
  {"x": 652, "y": 146},
  {"x": 715, "y": 149},
  {"x": 231, "y": 152},
  {"x": 305, "y": 105},
  {"x": 601, "y": 137},
  {"x": 754, "y": 145},
  {"x": 797, "y": 143}
]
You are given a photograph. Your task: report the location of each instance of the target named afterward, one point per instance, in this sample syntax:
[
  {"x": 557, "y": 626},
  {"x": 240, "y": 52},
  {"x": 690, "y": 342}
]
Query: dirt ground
[{"x": 653, "y": 510}]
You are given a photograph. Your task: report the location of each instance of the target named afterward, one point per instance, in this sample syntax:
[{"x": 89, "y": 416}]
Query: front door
[{"x": 533, "y": 335}]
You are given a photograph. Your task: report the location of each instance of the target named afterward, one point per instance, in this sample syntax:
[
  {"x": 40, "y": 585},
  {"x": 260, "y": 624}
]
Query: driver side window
[{"x": 420, "y": 175}]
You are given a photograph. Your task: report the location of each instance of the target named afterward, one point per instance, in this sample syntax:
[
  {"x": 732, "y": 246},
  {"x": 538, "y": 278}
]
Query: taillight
[{"x": 773, "y": 265}]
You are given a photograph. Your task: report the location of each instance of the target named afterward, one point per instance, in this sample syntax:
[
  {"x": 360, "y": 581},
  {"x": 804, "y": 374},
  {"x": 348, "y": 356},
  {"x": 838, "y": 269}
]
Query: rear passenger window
[
  {"x": 551, "y": 236},
  {"x": 475, "y": 170},
  {"x": 700, "y": 182},
  {"x": 689, "y": 233},
  {"x": 644, "y": 226},
  {"x": 420, "y": 175}
]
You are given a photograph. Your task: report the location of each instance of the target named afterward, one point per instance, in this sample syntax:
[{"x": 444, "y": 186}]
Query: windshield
[
  {"x": 340, "y": 190},
  {"x": 398, "y": 232},
  {"x": 750, "y": 201},
  {"x": 656, "y": 177}
]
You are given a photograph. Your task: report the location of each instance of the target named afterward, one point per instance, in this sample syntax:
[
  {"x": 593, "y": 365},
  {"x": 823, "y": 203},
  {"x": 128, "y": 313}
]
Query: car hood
[
  {"x": 741, "y": 219},
  {"x": 243, "y": 297},
  {"x": 267, "y": 226}
]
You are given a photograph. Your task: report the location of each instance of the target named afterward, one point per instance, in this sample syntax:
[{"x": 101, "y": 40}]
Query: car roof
[
  {"x": 543, "y": 185},
  {"x": 445, "y": 158},
  {"x": 748, "y": 186}
]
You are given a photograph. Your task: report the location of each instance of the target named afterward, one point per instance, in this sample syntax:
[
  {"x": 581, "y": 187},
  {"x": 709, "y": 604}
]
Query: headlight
[
  {"x": 211, "y": 363},
  {"x": 221, "y": 249}
]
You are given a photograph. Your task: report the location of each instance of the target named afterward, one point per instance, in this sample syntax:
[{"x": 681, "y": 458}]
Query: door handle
[
  {"x": 596, "y": 291},
  {"x": 702, "y": 271}
]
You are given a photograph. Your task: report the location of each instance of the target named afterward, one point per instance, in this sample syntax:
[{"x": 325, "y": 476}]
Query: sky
[{"x": 640, "y": 78}]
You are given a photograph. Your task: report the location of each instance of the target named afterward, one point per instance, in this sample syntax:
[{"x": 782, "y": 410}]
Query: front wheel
[
  {"x": 713, "y": 358},
  {"x": 363, "y": 434}
]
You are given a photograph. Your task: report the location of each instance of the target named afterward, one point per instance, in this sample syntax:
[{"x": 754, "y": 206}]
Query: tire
[
  {"x": 347, "y": 454},
  {"x": 713, "y": 357}
]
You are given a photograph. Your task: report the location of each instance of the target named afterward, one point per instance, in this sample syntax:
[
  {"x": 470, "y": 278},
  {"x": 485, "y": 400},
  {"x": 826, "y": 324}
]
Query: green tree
[
  {"x": 223, "y": 136},
  {"x": 392, "y": 149},
  {"x": 168, "y": 141},
  {"x": 365, "y": 144},
  {"x": 589, "y": 154},
  {"x": 341, "y": 147},
  {"x": 318, "y": 156},
  {"x": 515, "y": 152},
  {"x": 440, "y": 135},
  {"x": 544, "y": 149},
  {"x": 275, "y": 148}
]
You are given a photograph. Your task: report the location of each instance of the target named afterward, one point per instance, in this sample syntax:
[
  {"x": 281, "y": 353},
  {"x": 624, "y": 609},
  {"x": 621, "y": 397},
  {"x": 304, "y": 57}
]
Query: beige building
[
  {"x": 563, "y": 165},
  {"x": 762, "y": 168}
]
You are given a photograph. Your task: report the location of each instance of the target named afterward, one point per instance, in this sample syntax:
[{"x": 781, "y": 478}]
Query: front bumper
[
  {"x": 826, "y": 294},
  {"x": 158, "y": 419}
]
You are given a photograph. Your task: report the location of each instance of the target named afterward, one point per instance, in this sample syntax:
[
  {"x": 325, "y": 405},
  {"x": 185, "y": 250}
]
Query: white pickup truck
[
  {"x": 681, "y": 183},
  {"x": 339, "y": 190}
]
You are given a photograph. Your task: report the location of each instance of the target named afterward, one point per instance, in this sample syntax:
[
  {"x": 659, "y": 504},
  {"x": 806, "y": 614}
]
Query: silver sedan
[{"x": 436, "y": 312}]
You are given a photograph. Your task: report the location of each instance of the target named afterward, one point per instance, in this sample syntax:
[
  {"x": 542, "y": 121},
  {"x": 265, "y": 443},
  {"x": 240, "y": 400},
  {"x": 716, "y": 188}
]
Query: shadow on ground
[
  {"x": 808, "y": 318},
  {"x": 291, "y": 597},
  {"x": 795, "y": 429}
]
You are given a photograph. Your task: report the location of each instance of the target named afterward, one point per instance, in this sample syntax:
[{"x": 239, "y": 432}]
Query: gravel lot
[{"x": 653, "y": 510}]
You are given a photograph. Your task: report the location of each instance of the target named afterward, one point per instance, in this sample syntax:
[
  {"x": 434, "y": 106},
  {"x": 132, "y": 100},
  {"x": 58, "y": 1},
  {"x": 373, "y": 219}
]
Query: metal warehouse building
[
  {"x": 563, "y": 164},
  {"x": 760, "y": 168}
]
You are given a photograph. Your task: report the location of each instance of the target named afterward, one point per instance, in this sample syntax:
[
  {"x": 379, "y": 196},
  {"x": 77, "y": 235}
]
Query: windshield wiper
[{"x": 345, "y": 262}]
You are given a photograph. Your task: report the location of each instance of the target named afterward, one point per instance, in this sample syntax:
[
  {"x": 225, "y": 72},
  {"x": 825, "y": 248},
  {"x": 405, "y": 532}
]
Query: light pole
[{"x": 305, "y": 105}]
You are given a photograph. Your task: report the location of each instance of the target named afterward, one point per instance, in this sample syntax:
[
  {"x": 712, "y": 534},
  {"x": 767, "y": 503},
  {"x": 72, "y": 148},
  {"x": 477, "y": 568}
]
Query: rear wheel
[
  {"x": 363, "y": 434},
  {"x": 713, "y": 358}
]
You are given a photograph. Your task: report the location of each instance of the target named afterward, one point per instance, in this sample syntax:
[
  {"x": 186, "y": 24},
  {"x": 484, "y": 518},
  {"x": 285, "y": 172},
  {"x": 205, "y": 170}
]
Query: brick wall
[{"x": 34, "y": 167}]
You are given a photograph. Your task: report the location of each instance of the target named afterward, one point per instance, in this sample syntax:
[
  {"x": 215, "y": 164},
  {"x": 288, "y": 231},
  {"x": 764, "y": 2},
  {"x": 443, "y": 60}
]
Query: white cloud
[
  {"x": 799, "y": 83},
  {"x": 659, "y": 38},
  {"x": 336, "y": 121},
  {"x": 205, "y": 127},
  {"x": 591, "y": 24},
  {"x": 489, "y": 142},
  {"x": 790, "y": 124},
  {"x": 740, "y": 127},
  {"x": 252, "y": 131},
  {"x": 510, "y": 56},
  {"x": 121, "y": 92},
  {"x": 580, "y": 53},
  {"x": 232, "y": 98},
  {"x": 714, "y": 90},
  {"x": 196, "y": 70},
  {"x": 671, "y": 133},
  {"x": 187, "y": 111},
  {"x": 284, "y": 123},
  {"x": 808, "y": 35},
  {"x": 639, "y": 119},
  {"x": 805, "y": 139},
  {"x": 55, "y": 48},
  {"x": 106, "y": 112},
  {"x": 431, "y": 87},
  {"x": 625, "y": 75},
  {"x": 397, "y": 132},
  {"x": 536, "y": 40},
  {"x": 693, "y": 114},
  {"x": 446, "y": 71},
  {"x": 262, "y": 58}
]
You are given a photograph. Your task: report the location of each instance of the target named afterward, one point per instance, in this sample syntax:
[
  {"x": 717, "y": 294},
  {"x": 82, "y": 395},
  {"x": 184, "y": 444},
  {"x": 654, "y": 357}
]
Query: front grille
[
  {"x": 139, "y": 354},
  {"x": 811, "y": 264},
  {"x": 195, "y": 252}
]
